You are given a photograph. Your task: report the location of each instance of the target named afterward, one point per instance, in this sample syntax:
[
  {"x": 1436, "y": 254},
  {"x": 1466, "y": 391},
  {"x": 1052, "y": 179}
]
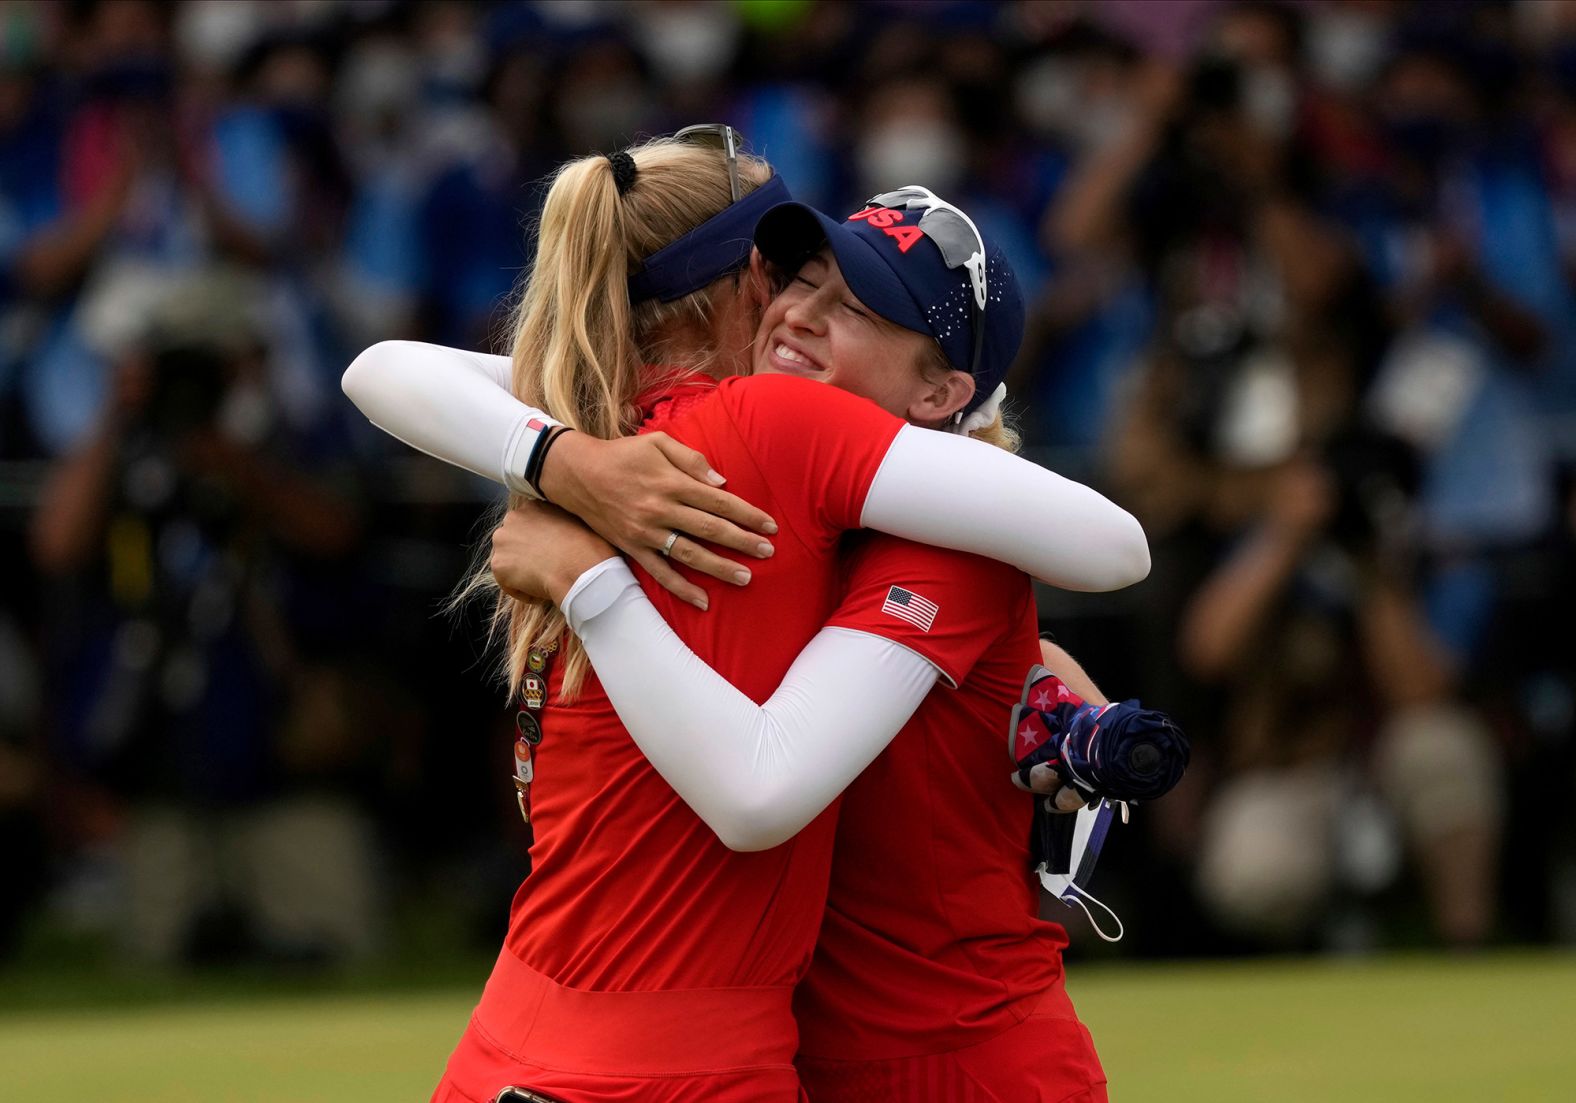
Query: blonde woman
[{"x": 645, "y": 958}]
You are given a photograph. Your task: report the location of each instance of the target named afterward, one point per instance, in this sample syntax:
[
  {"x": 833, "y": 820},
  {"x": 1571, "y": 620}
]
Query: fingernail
[
  {"x": 713, "y": 478},
  {"x": 763, "y": 549},
  {"x": 702, "y": 603},
  {"x": 741, "y": 577},
  {"x": 769, "y": 527}
]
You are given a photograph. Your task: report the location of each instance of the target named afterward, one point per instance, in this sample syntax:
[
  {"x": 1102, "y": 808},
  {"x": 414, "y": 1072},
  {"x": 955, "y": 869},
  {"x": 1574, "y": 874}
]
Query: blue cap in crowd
[{"x": 918, "y": 261}]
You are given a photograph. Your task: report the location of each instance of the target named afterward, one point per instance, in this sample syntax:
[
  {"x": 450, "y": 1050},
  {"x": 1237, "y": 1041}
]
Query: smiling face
[{"x": 817, "y": 328}]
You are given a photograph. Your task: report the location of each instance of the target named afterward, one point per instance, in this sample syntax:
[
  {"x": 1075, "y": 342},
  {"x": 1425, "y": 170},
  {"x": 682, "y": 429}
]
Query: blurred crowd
[{"x": 1301, "y": 296}]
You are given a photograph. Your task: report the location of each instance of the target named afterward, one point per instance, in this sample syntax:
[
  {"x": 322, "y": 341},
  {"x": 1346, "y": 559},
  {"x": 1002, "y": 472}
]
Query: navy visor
[{"x": 716, "y": 247}]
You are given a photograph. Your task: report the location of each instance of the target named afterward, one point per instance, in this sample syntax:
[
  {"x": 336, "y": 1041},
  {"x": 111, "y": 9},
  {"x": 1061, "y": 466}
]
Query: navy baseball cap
[{"x": 918, "y": 261}]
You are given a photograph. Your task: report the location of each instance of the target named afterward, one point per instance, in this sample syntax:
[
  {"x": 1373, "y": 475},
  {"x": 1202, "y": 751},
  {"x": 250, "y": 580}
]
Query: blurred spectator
[
  {"x": 380, "y": 119},
  {"x": 115, "y": 220},
  {"x": 472, "y": 220},
  {"x": 1338, "y": 689},
  {"x": 181, "y": 684},
  {"x": 1271, "y": 361}
]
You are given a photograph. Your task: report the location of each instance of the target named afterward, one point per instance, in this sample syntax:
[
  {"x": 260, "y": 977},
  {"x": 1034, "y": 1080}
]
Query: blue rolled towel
[{"x": 1120, "y": 751}]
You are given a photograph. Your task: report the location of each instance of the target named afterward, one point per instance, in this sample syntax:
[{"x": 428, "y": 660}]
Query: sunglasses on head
[
  {"x": 959, "y": 241},
  {"x": 719, "y": 136}
]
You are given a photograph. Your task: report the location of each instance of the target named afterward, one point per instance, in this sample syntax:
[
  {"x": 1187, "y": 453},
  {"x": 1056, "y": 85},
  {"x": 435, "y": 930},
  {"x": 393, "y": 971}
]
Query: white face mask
[
  {"x": 923, "y": 150},
  {"x": 1269, "y": 96},
  {"x": 247, "y": 414},
  {"x": 214, "y": 35},
  {"x": 375, "y": 81},
  {"x": 689, "y": 44},
  {"x": 1065, "y": 873},
  {"x": 1052, "y": 98},
  {"x": 1047, "y": 94},
  {"x": 1345, "y": 47}
]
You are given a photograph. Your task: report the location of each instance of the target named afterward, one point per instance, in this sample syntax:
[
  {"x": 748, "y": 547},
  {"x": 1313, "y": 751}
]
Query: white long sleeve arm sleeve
[
  {"x": 933, "y": 488},
  {"x": 756, "y": 774},
  {"x": 451, "y": 404},
  {"x": 953, "y": 492}
]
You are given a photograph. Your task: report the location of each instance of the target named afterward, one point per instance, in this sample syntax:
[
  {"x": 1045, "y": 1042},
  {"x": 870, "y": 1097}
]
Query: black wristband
[
  {"x": 529, "y": 474},
  {"x": 533, "y": 470}
]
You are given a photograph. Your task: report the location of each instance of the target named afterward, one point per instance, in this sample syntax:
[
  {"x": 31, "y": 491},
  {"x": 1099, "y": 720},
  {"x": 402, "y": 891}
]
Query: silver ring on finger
[{"x": 667, "y": 548}]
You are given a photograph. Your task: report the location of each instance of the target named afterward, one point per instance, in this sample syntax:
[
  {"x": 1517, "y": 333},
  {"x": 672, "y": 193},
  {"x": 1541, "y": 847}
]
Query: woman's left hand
[
  {"x": 539, "y": 551},
  {"x": 642, "y": 492}
]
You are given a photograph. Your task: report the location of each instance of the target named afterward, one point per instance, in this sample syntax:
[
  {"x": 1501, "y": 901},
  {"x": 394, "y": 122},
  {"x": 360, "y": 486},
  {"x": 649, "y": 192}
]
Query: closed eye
[{"x": 857, "y": 311}]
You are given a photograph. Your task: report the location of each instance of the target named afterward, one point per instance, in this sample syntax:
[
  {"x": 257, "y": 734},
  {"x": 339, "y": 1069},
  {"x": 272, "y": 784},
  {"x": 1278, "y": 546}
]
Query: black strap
[{"x": 533, "y": 467}]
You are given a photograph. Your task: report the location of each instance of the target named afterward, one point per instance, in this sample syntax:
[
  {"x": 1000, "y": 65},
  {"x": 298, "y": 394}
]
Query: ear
[
  {"x": 758, "y": 285},
  {"x": 942, "y": 399}
]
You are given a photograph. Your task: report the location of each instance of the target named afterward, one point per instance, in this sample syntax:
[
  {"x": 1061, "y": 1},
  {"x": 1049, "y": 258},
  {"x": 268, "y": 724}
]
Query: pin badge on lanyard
[
  {"x": 534, "y": 689},
  {"x": 528, "y": 725}
]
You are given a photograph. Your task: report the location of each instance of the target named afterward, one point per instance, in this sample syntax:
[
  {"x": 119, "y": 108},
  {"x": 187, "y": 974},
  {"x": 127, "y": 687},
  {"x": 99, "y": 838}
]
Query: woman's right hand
[
  {"x": 637, "y": 491},
  {"x": 539, "y": 551}
]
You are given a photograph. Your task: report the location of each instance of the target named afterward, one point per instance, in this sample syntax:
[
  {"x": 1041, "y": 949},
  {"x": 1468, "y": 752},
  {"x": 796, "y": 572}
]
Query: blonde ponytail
[
  {"x": 579, "y": 347},
  {"x": 575, "y": 353},
  {"x": 999, "y": 433}
]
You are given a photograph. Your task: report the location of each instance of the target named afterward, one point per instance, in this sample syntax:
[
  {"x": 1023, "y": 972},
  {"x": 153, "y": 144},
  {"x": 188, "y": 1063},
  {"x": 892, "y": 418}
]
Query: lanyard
[{"x": 528, "y": 724}]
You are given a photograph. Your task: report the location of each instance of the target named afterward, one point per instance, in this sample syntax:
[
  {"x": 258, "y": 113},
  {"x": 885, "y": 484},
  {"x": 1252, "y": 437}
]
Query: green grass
[
  {"x": 1499, "y": 1027},
  {"x": 338, "y": 1049},
  {"x": 1439, "y": 1029}
]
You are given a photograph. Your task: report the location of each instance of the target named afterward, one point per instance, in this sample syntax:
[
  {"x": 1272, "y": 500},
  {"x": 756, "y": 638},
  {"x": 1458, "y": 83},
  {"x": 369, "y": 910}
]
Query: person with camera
[
  {"x": 173, "y": 542},
  {"x": 1338, "y": 691}
]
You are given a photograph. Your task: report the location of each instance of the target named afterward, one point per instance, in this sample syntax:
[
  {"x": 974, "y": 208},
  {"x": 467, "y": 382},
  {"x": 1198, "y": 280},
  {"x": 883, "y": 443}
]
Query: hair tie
[{"x": 623, "y": 171}]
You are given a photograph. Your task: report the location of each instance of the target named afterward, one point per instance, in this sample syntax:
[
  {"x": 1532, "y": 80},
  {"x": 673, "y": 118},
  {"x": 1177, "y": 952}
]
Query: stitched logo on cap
[{"x": 885, "y": 219}]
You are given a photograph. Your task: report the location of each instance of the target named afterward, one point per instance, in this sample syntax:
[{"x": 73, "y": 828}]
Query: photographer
[
  {"x": 1265, "y": 331},
  {"x": 1337, "y": 686},
  {"x": 176, "y": 537}
]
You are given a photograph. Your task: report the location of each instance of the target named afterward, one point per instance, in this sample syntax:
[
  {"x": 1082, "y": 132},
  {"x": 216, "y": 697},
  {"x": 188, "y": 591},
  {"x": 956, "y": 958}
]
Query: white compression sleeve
[
  {"x": 952, "y": 492},
  {"x": 756, "y": 774},
  {"x": 933, "y": 487},
  {"x": 448, "y": 403}
]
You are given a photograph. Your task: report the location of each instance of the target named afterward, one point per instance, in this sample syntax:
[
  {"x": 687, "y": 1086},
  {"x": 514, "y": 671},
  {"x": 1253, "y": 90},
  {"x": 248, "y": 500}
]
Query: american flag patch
[{"x": 907, "y": 605}]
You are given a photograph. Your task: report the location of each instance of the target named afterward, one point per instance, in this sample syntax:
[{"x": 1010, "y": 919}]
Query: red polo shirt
[
  {"x": 629, "y": 889},
  {"x": 931, "y": 940}
]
